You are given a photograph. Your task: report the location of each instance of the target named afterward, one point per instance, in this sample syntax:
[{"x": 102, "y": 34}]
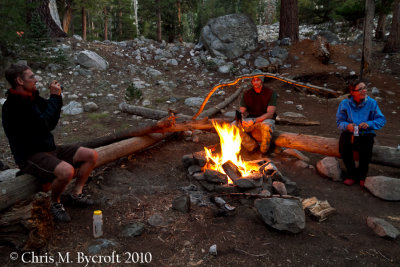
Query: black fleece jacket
[{"x": 28, "y": 123}]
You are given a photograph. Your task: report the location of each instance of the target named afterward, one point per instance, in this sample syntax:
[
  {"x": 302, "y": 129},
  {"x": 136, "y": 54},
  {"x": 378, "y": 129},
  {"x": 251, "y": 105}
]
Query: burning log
[{"x": 231, "y": 170}]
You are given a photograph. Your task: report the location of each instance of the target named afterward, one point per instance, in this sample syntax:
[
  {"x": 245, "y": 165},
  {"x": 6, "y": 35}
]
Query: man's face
[
  {"x": 28, "y": 81},
  {"x": 359, "y": 93},
  {"x": 257, "y": 85}
]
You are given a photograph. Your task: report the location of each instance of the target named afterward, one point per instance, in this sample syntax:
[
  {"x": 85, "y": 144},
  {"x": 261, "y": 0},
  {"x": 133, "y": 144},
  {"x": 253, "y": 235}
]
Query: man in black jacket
[{"x": 28, "y": 120}]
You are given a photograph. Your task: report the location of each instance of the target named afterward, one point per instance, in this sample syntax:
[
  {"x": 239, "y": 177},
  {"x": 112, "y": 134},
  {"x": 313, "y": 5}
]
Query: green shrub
[{"x": 132, "y": 93}]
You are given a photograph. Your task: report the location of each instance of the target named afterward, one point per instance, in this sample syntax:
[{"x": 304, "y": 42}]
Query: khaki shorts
[{"x": 42, "y": 164}]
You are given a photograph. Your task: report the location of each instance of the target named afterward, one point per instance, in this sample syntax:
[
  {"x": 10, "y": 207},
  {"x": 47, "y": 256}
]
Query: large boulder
[
  {"x": 230, "y": 35},
  {"x": 92, "y": 60},
  {"x": 386, "y": 188},
  {"x": 329, "y": 167},
  {"x": 282, "y": 214}
]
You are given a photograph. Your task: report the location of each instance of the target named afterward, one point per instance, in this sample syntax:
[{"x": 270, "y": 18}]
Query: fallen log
[
  {"x": 23, "y": 187},
  {"x": 159, "y": 114}
]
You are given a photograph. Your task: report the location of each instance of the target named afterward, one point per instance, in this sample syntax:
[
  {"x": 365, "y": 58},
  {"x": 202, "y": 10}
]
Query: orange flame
[{"x": 230, "y": 150}]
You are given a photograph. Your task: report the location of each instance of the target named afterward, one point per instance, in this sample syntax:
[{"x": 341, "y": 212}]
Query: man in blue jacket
[
  {"x": 358, "y": 117},
  {"x": 28, "y": 120}
]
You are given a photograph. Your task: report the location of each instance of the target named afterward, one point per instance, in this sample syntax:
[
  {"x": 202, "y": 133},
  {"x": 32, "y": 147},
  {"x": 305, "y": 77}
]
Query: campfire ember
[{"x": 230, "y": 141}]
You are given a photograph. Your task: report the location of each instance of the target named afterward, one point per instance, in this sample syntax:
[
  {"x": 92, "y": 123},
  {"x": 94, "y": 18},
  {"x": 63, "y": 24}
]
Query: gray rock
[
  {"x": 188, "y": 160},
  {"x": 156, "y": 220},
  {"x": 91, "y": 60},
  {"x": 172, "y": 62},
  {"x": 282, "y": 214},
  {"x": 85, "y": 72},
  {"x": 245, "y": 71},
  {"x": 200, "y": 83},
  {"x": 279, "y": 52},
  {"x": 225, "y": 68},
  {"x": 194, "y": 101},
  {"x": 101, "y": 244},
  {"x": 261, "y": 62},
  {"x": 251, "y": 181},
  {"x": 73, "y": 108},
  {"x": 213, "y": 250},
  {"x": 386, "y": 188},
  {"x": 90, "y": 107},
  {"x": 230, "y": 35},
  {"x": 194, "y": 169},
  {"x": 331, "y": 37},
  {"x": 375, "y": 91},
  {"x": 279, "y": 188},
  {"x": 2, "y": 100},
  {"x": 8, "y": 174},
  {"x": 285, "y": 41},
  {"x": 181, "y": 203},
  {"x": 77, "y": 37},
  {"x": 153, "y": 72},
  {"x": 382, "y": 228},
  {"x": 133, "y": 229},
  {"x": 215, "y": 177},
  {"x": 329, "y": 167}
]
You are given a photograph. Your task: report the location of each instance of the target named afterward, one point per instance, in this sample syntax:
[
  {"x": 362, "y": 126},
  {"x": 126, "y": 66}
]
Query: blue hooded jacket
[{"x": 367, "y": 111}]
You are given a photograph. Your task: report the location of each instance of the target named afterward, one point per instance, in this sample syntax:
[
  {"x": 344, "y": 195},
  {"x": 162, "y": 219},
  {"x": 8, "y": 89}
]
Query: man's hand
[
  {"x": 363, "y": 125},
  {"x": 55, "y": 88},
  {"x": 248, "y": 123}
]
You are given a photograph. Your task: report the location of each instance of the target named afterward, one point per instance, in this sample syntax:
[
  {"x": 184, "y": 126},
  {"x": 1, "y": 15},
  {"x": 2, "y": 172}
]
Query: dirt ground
[{"x": 134, "y": 188}]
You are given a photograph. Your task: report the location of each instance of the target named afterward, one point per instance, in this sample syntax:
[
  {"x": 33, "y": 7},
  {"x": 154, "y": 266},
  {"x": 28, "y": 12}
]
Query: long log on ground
[
  {"x": 384, "y": 155},
  {"x": 159, "y": 114},
  {"x": 23, "y": 187}
]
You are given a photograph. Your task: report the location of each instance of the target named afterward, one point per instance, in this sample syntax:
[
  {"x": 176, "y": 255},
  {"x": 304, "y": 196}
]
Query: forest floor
[{"x": 133, "y": 189}]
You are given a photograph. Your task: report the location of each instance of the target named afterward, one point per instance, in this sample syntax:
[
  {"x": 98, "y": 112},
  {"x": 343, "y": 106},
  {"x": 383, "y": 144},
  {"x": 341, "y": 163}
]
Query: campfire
[
  {"x": 222, "y": 168},
  {"x": 230, "y": 142}
]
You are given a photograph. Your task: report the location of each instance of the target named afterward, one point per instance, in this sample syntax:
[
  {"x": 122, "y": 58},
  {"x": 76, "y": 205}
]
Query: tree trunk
[
  {"x": 49, "y": 15},
  {"x": 178, "y": 4},
  {"x": 83, "y": 23},
  {"x": 105, "y": 24},
  {"x": 289, "y": 20},
  {"x": 158, "y": 13},
  {"x": 393, "y": 43},
  {"x": 135, "y": 10},
  {"x": 381, "y": 27},
  {"x": 67, "y": 16},
  {"x": 367, "y": 38}
]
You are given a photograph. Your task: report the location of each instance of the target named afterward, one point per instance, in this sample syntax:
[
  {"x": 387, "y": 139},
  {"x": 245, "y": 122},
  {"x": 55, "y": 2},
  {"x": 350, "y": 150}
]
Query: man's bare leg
[
  {"x": 88, "y": 157},
  {"x": 64, "y": 173}
]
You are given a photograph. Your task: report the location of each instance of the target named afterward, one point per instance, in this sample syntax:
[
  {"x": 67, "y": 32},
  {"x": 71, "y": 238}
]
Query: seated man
[
  {"x": 28, "y": 120},
  {"x": 358, "y": 117},
  {"x": 259, "y": 102}
]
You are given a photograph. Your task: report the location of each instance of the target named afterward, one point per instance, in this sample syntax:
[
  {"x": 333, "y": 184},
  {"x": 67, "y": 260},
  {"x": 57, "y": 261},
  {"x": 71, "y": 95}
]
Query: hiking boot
[
  {"x": 81, "y": 200},
  {"x": 348, "y": 182},
  {"x": 59, "y": 213}
]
